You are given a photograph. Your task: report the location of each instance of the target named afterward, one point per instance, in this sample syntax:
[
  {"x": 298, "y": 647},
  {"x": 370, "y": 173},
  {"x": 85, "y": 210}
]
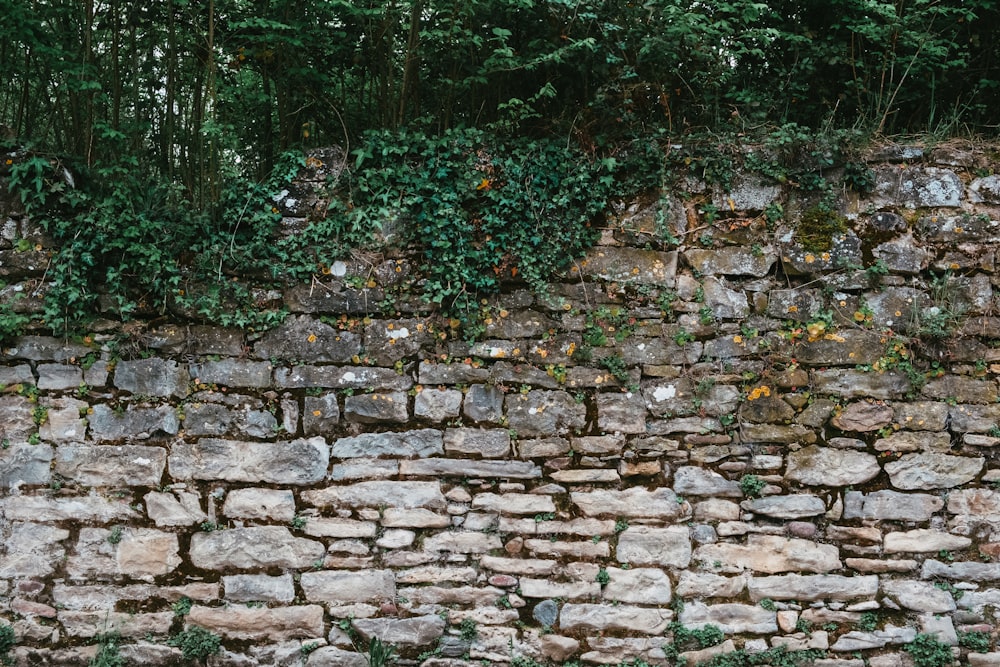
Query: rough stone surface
[
  {"x": 825, "y": 466},
  {"x": 770, "y": 554},
  {"x": 930, "y": 470},
  {"x": 296, "y": 462},
  {"x": 664, "y": 547},
  {"x": 251, "y": 548},
  {"x": 598, "y": 617},
  {"x": 152, "y": 377},
  {"x": 563, "y": 478}
]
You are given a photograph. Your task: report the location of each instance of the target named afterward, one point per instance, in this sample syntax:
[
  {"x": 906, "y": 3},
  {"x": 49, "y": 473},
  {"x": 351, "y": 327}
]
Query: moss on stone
[{"x": 817, "y": 227}]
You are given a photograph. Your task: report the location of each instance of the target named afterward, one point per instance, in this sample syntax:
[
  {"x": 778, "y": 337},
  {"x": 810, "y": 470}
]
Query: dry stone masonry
[{"x": 791, "y": 441}]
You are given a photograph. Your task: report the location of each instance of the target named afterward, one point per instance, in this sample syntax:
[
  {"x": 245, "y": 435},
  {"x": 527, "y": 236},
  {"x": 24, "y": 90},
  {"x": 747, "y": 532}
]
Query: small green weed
[
  {"x": 108, "y": 654},
  {"x": 927, "y": 651},
  {"x": 196, "y": 643},
  {"x": 380, "y": 653},
  {"x": 976, "y": 641},
  {"x": 752, "y": 486},
  {"x": 182, "y": 607}
]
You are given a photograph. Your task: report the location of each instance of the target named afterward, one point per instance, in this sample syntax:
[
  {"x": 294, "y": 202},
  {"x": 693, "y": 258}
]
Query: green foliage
[
  {"x": 196, "y": 643},
  {"x": 7, "y": 642},
  {"x": 976, "y": 641},
  {"x": 752, "y": 485},
  {"x": 768, "y": 604},
  {"x": 615, "y": 365},
  {"x": 108, "y": 653},
  {"x": 380, "y": 653},
  {"x": 685, "y": 639},
  {"x": 468, "y": 629},
  {"x": 602, "y": 577},
  {"x": 868, "y": 621},
  {"x": 182, "y": 607},
  {"x": 481, "y": 209},
  {"x": 927, "y": 651},
  {"x": 12, "y": 323},
  {"x": 775, "y": 657}
]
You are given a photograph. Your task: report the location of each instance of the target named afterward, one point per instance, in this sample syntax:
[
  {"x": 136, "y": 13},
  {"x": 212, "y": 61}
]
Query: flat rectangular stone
[
  {"x": 394, "y": 517},
  {"x": 462, "y": 542},
  {"x": 22, "y": 463},
  {"x": 595, "y": 476},
  {"x": 568, "y": 590},
  {"x": 607, "y": 617},
  {"x": 848, "y": 383},
  {"x": 134, "y": 423},
  {"x": 20, "y": 374},
  {"x": 339, "y": 528},
  {"x": 407, "y": 495},
  {"x": 260, "y": 504},
  {"x": 257, "y": 547},
  {"x": 771, "y": 554},
  {"x": 572, "y": 549},
  {"x": 584, "y": 527},
  {"x": 470, "y": 468},
  {"x": 233, "y": 373},
  {"x": 430, "y": 373},
  {"x": 370, "y": 586},
  {"x": 59, "y": 377},
  {"x": 302, "y": 461},
  {"x": 89, "y": 624},
  {"x": 434, "y": 574},
  {"x": 152, "y": 377},
  {"x": 635, "y": 502},
  {"x": 108, "y": 465},
  {"x": 526, "y": 566},
  {"x": 94, "y": 509},
  {"x": 259, "y": 588},
  {"x": 514, "y": 503},
  {"x": 341, "y": 377},
  {"x": 278, "y": 624},
  {"x": 366, "y": 468},
  {"x": 812, "y": 587},
  {"x": 417, "y": 442},
  {"x": 487, "y": 443},
  {"x": 632, "y": 265},
  {"x": 46, "y": 348},
  {"x": 880, "y": 565}
]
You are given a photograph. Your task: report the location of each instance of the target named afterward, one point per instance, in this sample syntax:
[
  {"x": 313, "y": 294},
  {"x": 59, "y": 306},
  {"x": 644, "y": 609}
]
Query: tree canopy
[{"x": 183, "y": 84}]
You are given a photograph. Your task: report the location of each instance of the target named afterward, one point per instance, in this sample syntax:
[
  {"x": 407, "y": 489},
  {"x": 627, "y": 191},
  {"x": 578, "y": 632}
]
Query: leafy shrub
[
  {"x": 976, "y": 641},
  {"x": 196, "y": 643},
  {"x": 752, "y": 486},
  {"x": 927, "y": 651},
  {"x": 7, "y": 642},
  {"x": 108, "y": 654}
]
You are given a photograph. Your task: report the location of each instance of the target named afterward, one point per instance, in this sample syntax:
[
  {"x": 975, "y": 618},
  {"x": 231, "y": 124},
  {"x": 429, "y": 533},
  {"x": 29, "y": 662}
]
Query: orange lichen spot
[
  {"x": 757, "y": 392},
  {"x": 317, "y": 413},
  {"x": 793, "y": 309},
  {"x": 815, "y": 330},
  {"x": 311, "y": 338}
]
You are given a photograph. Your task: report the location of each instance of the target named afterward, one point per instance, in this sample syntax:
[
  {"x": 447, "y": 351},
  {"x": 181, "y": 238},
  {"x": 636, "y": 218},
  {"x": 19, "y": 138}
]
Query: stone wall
[{"x": 790, "y": 440}]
